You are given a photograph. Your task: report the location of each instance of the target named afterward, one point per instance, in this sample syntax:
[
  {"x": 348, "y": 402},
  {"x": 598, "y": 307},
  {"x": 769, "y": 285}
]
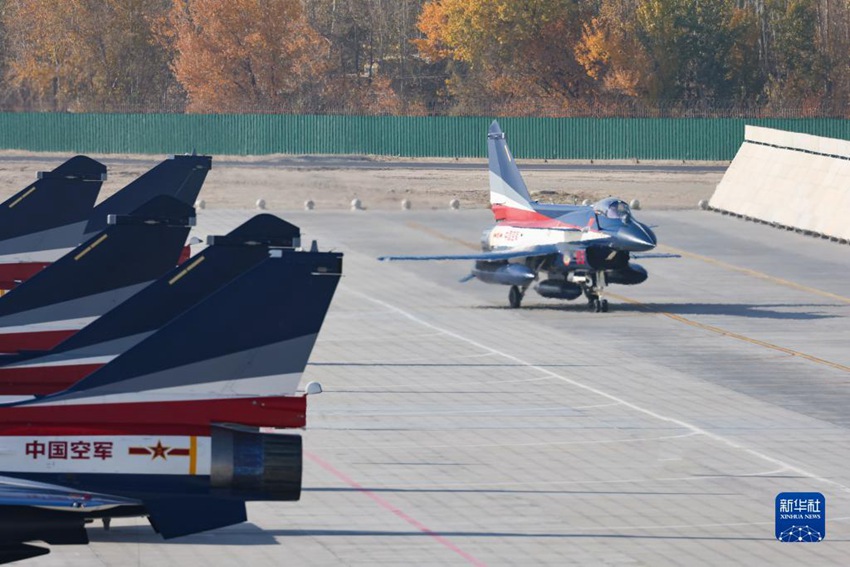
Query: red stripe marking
[
  {"x": 179, "y": 452},
  {"x": 138, "y": 451},
  {"x": 389, "y": 507},
  {"x": 521, "y": 218},
  {"x": 42, "y": 380},
  {"x": 185, "y": 254},
  {"x": 12, "y": 273},
  {"x": 42, "y": 340},
  {"x": 503, "y": 212},
  {"x": 152, "y": 418}
]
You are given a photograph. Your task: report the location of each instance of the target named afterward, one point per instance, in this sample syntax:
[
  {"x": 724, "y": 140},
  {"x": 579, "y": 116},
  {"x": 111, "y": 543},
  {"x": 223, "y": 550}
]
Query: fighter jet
[
  {"x": 55, "y": 213},
  {"x": 569, "y": 250},
  {"x": 171, "y": 428},
  {"x": 225, "y": 258}
]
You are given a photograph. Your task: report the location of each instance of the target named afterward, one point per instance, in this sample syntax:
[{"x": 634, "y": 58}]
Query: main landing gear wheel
[
  {"x": 598, "y": 305},
  {"x": 515, "y": 296}
]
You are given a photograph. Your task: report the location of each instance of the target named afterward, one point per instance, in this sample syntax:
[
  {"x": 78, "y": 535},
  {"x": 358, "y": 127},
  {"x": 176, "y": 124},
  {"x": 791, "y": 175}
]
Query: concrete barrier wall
[{"x": 790, "y": 179}]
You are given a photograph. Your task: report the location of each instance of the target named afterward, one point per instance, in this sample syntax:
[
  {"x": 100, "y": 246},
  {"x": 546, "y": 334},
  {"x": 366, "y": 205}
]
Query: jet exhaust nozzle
[{"x": 252, "y": 465}]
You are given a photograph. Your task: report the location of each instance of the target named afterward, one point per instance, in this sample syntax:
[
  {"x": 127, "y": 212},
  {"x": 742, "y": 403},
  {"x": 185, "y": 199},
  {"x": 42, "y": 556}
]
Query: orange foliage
[
  {"x": 511, "y": 54},
  {"x": 262, "y": 56},
  {"x": 237, "y": 55},
  {"x": 84, "y": 54}
]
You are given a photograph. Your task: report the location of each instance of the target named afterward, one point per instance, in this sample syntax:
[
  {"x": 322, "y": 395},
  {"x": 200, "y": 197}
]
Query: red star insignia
[{"x": 159, "y": 451}]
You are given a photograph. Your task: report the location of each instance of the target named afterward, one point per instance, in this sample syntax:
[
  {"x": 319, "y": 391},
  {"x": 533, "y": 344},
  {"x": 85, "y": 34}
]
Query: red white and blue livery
[
  {"x": 563, "y": 250},
  {"x": 180, "y": 426}
]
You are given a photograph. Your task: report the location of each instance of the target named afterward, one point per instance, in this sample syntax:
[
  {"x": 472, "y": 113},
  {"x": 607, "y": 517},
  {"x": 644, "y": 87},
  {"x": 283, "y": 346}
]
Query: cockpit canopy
[{"x": 613, "y": 209}]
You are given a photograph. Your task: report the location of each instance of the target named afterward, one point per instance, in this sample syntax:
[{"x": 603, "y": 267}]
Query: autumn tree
[
  {"x": 370, "y": 42},
  {"x": 673, "y": 50},
  {"x": 795, "y": 60},
  {"x": 263, "y": 56},
  {"x": 513, "y": 56},
  {"x": 87, "y": 54}
]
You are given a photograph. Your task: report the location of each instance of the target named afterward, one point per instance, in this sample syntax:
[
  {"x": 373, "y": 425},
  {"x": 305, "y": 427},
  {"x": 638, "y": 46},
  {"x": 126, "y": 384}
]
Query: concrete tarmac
[{"x": 455, "y": 430}]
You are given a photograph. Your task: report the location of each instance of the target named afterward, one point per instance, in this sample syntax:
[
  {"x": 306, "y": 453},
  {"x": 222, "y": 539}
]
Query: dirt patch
[{"x": 331, "y": 182}]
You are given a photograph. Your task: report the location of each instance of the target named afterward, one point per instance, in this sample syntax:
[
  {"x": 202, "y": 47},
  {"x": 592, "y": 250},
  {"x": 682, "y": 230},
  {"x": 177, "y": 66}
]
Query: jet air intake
[{"x": 252, "y": 465}]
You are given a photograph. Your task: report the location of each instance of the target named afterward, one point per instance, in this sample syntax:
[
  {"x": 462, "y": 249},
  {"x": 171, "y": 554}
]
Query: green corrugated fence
[{"x": 408, "y": 136}]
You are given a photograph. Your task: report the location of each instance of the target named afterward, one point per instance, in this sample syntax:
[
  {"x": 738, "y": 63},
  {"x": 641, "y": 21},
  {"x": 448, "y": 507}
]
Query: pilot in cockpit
[{"x": 614, "y": 209}]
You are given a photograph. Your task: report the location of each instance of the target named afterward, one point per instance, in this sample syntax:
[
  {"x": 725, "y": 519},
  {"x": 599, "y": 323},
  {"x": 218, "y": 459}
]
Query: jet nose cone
[{"x": 636, "y": 237}]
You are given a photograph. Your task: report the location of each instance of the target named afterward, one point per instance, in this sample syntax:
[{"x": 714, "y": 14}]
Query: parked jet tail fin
[
  {"x": 97, "y": 275},
  {"x": 180, "y": 177},
  {"x": 508, "y": 193},
  {"x": 251, "y": 338},
  {"x": 179, "y": 289},
  {"x": 61, "y": 197}
]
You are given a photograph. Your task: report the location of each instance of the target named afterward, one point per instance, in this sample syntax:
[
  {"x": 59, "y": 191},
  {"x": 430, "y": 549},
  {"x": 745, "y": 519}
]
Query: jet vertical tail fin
[
  {"x": 235, "y": 357},
  {"x": 60, "y": 197},
  {"x": 49, "y": 214},
  {"x": 180, "y": 177},
  {"x": 108, "y": 268},
  {"x": 226, "y": 258},
  {"x": 509, "y": 197}
]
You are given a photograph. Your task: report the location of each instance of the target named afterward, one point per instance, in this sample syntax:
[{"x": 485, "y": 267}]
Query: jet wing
[
  {"x": 17, "y": 492},
  {"x": 654, "y": 255},
  {"x": 36, "y": 512},
  {"x": 541, "y": 250}
]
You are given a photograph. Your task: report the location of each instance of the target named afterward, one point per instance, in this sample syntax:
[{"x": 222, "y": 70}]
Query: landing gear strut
[
  {"x": 593, "y": 292},
  {"x": 515, "y": 296}
]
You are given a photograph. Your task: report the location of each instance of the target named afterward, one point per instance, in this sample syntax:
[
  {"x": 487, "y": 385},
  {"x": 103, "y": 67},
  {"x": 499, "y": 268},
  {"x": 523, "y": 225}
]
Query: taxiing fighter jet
[
  {"x": 569, "y": 250},
  {"x": 174, "y": 428}
]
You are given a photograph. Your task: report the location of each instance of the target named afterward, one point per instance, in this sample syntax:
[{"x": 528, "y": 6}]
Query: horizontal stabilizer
[
  {"x": 180, "y": 177},
  {"x": 178, "y": 516}
]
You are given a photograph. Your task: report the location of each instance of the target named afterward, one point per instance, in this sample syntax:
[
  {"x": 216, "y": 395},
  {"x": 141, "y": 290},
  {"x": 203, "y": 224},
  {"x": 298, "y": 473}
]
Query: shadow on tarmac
[{"x": 750, "y": 310}]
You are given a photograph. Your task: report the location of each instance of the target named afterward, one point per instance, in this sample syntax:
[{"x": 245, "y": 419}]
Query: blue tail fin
[
  {"x": 130, "y": 253},
  {"x": 226, "y": 258},
  {"x": 509, "y": 196},
  {"x": 59, "y": 201},
  {"x": 180, "y": 177},
  {"x": 250, "y": 338}
]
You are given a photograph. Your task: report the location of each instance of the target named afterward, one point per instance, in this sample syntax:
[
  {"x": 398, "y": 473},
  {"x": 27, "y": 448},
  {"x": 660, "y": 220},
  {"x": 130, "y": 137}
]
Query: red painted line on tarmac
[{"x": 389, "y": 507}]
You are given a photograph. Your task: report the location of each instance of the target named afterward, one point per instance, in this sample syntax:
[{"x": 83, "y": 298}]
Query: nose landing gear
[{"x": 593, "y": 291}]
